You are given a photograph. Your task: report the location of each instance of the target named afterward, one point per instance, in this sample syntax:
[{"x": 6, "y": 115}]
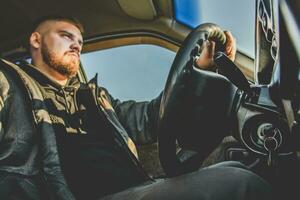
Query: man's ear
[{"x": 35, "y": 40}]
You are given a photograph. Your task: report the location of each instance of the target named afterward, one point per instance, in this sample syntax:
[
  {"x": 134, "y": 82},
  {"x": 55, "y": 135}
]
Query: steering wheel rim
[{"x": 184, "y": 83}]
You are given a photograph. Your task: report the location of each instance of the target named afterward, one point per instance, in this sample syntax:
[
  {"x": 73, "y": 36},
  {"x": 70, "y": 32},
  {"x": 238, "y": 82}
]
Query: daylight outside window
[
  {"x": 238, "y": 16},
  {"x": 137, "y": 72}
]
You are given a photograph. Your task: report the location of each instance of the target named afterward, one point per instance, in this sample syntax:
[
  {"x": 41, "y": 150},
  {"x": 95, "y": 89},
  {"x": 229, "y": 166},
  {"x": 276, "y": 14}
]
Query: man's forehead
[{"x": 52, "y": 25}]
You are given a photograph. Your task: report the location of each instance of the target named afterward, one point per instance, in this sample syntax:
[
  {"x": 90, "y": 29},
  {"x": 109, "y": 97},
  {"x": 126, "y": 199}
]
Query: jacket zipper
[{"x": 65, "y": 98}]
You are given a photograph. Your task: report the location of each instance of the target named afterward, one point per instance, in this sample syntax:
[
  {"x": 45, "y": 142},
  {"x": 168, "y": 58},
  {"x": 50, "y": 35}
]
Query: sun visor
[{"x": 141, "y": 9}]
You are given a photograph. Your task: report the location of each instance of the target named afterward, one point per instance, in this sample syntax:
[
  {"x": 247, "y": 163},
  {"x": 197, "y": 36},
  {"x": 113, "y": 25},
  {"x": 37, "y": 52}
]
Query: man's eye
[{"x": 67, "y": 36}]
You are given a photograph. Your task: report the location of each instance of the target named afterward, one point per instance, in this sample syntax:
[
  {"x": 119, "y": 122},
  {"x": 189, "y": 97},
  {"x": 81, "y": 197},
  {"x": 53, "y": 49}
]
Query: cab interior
[{"x": 273, "y": 72}]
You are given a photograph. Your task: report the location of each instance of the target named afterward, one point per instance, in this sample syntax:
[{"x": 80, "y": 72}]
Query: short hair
[{"x": 68, "y": 19}]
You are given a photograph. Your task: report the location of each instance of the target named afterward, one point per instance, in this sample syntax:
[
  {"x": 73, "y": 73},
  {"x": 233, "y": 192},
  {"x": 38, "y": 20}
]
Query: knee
[
  {"x": 234, "y": 183},
  {"x": 246, "y": 184}
]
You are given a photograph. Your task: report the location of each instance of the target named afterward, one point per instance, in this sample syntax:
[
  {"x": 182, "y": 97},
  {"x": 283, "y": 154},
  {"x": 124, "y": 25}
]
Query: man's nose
[{"x": 75, "y": 46}]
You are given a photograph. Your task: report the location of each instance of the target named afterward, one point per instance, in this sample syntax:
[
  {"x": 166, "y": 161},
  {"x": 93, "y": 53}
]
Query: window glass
[
  {"x": 136, "y": 72},
  {"x": 238, "y": 16},
  {"x": 187, "y": 12}
]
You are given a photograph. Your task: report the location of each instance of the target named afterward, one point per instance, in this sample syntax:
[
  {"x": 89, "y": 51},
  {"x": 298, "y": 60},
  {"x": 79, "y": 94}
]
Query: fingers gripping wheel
[{"x": 195, "y": 105}]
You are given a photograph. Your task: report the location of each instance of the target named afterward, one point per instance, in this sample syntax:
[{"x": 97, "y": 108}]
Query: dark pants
[
  {"x": 19, "y": 187},
  {"x": 226, "y": 181}
]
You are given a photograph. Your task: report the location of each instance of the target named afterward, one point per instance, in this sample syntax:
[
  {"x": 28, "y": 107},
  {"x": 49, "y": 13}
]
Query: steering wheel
[{"x": 196, "y": 106}]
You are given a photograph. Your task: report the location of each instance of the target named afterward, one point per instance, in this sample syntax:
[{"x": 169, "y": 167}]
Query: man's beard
[{"x": 68, "y": 69}]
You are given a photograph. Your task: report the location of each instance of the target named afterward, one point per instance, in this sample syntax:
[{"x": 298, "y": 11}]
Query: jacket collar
[{"x": 46, "y": 80}]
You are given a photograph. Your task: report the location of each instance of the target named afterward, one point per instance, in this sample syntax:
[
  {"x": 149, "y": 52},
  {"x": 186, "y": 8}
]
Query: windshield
[{"x": 234, "y": 15}]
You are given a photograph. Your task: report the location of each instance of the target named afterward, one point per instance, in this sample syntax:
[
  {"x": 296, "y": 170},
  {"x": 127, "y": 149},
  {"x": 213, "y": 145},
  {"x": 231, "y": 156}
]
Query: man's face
[{"x": 61, "y": 45}]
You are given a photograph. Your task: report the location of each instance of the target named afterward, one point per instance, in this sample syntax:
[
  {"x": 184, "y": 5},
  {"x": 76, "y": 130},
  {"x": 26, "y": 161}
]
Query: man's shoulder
[
  {"x": 4, "y": 86},
  {"x": 11, "y": 83},
  {"x": 20, "y": 79},
  {"x": 7, "y": 72},
  {"x": 12, "y": 69}
]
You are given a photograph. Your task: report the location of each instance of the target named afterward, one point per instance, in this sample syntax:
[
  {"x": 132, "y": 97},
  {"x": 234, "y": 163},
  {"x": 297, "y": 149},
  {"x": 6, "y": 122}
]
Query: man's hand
[
  {"x": 205, "y": 60},
  {"x": 230, "y": 46}
]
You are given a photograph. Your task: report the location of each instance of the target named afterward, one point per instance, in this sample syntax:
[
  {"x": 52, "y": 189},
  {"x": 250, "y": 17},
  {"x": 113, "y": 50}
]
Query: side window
[{"x": 134, "y": 72}]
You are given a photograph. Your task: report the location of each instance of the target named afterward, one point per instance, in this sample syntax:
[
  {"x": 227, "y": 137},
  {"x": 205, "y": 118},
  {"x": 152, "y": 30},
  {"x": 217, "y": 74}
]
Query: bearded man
[{"x": 96, "y": 153}]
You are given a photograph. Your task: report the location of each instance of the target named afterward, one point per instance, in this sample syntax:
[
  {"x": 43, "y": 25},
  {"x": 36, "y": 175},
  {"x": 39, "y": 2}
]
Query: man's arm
[
  {"x": 138, "y": 118},
  {"x": 36, "y": 151}
]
